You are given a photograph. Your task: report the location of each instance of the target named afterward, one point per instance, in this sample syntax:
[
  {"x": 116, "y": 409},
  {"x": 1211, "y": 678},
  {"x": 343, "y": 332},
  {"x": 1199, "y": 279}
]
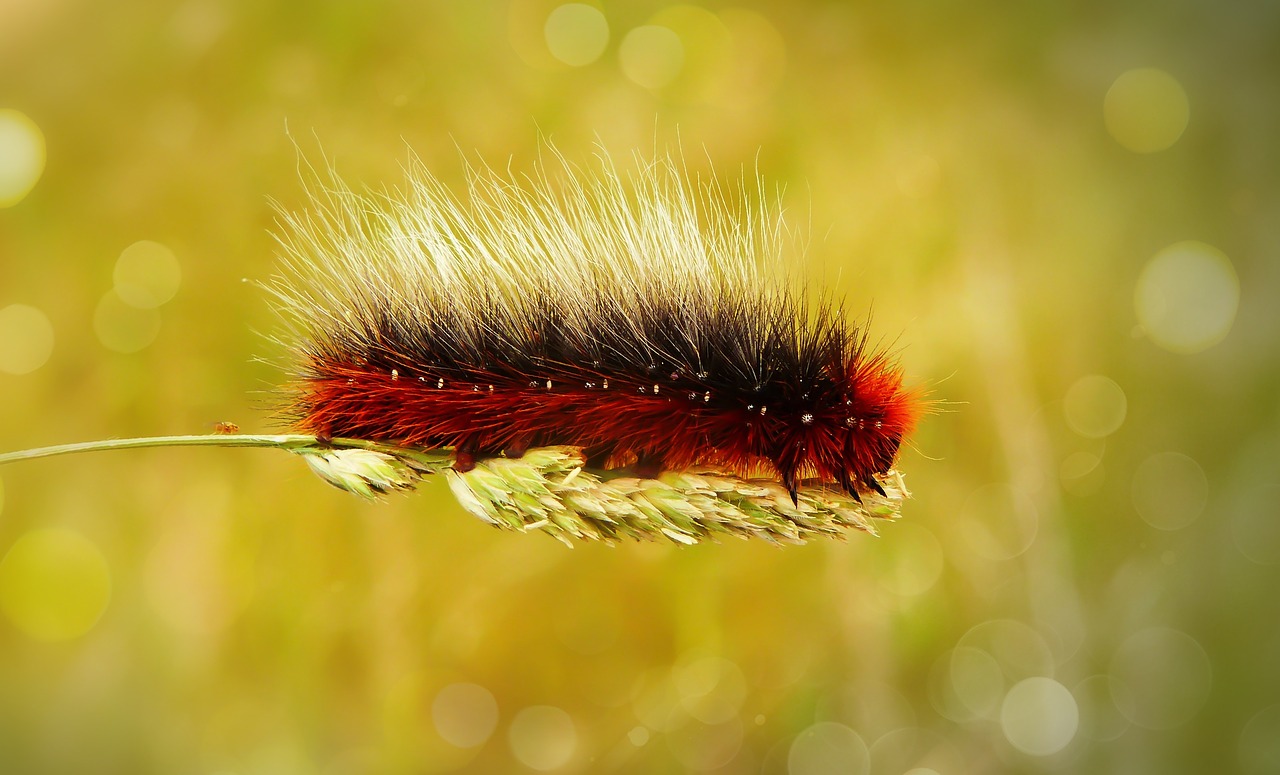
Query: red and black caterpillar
[{"x": 628, "y": 317}]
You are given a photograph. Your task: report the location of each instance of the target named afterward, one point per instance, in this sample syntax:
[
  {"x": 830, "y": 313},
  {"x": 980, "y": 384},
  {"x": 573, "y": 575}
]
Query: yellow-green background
[{"x": 222, "y": 611}]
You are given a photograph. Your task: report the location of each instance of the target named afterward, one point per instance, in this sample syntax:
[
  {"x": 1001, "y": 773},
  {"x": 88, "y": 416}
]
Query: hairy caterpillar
[{"x": 645, "y": 318}]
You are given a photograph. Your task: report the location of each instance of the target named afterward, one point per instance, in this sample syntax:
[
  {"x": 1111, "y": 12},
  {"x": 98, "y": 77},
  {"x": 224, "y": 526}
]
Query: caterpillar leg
[{"x": 648, "y": 465}]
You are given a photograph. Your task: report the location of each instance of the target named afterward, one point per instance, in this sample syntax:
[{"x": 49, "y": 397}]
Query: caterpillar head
[{"x": 844, "y": 430}]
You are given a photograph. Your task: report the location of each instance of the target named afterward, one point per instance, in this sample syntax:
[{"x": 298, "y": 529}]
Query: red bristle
[{"x": 676, "y": 423}]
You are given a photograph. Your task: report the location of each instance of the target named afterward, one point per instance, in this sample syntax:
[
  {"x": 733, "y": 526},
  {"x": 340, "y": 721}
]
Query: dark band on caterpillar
[{"x": 557, "y": 327}]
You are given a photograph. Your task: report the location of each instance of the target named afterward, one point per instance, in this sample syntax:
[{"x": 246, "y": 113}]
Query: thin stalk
[
  {"x": 290, "y": 442},
  {"x": 550, "y": 489}
]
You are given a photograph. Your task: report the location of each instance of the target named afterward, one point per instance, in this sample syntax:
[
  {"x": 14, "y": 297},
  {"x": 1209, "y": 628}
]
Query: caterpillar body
[{"x": 646, "y": 318}]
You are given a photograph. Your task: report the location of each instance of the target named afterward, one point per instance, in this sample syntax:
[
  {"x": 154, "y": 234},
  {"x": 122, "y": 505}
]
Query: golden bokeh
[
  {"x": 1095, "y": 406},
  {"x": 146, "y": 275},
  {"x": 1187, "y": 297},
  {"x": 26, "y": 339},
  {"x": 22, "y": 156},
  {"x": 1063, "y": 224},
  {"x": 1039, "y": 716},
  {"x": 54, "y": 584},
  {"x": 543, "y": 738},
  {"x": 1146, "y": 110},
  {"x": 1141, "y": 687},
  {"x": 651, "y": 55},
  {"x": 577, "y": 34},
  {"x": 123, "y": 327}
]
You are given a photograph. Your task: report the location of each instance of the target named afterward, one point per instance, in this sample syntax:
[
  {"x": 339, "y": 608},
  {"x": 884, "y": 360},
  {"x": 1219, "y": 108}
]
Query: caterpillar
[{"x": 647, "y": 318}]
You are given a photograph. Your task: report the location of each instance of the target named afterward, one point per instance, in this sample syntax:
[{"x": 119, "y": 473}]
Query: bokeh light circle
[
  {"x": 912, "y": 750},
  {"x": 1259, "y": 745},
  {"x": 26, "y": 339},
  {"x": 576, "y": 33},
  {"x": 706, "y": 747},
  {"x": 22, "y": 156},
  {"x": 1160, "y": 678},
  {"x": 711, "y": 689},
  {"x": 987, "y": 659},
  {"x": 1039, "y": 716},
  {"x": 543, "y": 737},
  {"x": 828, "y": 748},
  {"x": 1187, "y": 297},
  {"x": 1094, "y": 406},
  {"x": 1019, "y": 648},
  {"x": 651, "y": 56},
  {"x": 977, "y": 680},
  {"x": 1169, "y": 490},
  {"x": 54, "y": 584},
  {"x": 1146, "y": 110},
  {"x": 147, "y": 274},
  {"x": 464, "y": 714},
  {"x": 123, "y": 328},
  {"x": 654, "y": 697}
]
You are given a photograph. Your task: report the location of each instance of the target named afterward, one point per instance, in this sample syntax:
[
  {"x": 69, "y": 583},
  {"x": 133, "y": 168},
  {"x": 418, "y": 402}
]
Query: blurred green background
[{"x": 1066, "y": 214}]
